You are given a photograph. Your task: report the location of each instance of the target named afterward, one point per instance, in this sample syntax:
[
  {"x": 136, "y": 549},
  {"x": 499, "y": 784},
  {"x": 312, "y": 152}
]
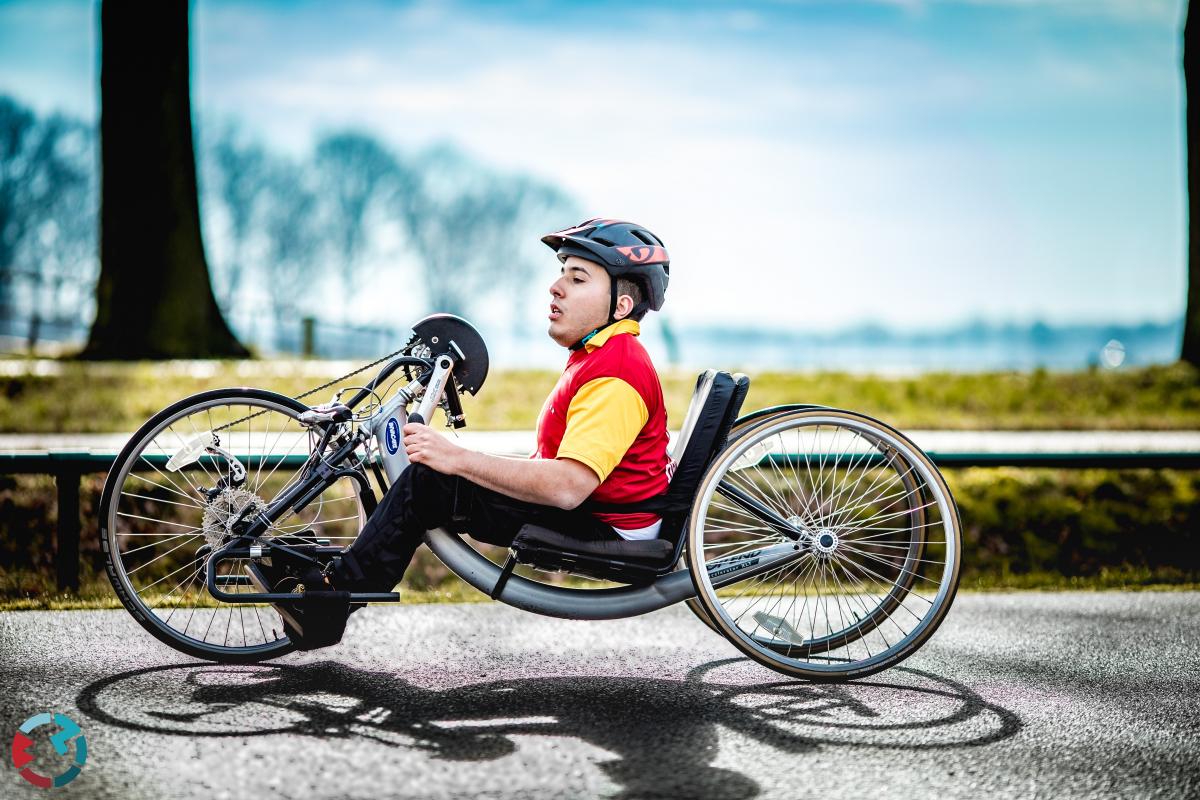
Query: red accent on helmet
[{"x": 644, "y": 254}]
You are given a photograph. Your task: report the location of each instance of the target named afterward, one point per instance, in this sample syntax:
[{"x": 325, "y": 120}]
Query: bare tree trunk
[
  {"x": 1191, "y": 79},
  {"x": 154, "y": 298}
]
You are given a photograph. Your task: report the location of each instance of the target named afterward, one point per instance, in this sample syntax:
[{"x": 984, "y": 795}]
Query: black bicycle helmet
[{"x": 625, "y": 250}]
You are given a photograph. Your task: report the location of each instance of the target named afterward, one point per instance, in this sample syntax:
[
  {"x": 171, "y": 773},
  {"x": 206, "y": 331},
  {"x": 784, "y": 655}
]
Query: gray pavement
[{"x": 1066, "y": 695}]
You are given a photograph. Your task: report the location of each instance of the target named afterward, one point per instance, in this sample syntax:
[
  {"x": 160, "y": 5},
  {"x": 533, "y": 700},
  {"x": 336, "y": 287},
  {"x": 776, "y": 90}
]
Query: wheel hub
[
  {"x": 223, "y": 509},
  {"x": 825, "y": 542}
]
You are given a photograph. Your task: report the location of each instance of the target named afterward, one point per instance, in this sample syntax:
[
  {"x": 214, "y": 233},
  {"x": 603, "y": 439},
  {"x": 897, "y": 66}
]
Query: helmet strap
[{"x": 584, "y": 340}]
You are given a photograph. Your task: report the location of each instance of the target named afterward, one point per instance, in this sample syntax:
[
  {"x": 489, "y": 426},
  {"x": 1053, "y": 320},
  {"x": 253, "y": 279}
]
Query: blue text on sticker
[{"x": 391, "y": 436}]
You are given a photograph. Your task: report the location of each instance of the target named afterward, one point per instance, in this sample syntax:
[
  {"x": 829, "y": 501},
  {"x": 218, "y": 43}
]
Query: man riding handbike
[{"x": 601, "y": 436}]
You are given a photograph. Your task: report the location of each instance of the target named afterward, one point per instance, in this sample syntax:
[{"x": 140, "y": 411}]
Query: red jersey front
[{"x": 607, "y": 412}]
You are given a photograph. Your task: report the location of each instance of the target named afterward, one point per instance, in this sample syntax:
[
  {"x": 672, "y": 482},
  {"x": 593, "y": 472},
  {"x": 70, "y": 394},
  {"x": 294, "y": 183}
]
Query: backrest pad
[{"x": 715, "y": 405}]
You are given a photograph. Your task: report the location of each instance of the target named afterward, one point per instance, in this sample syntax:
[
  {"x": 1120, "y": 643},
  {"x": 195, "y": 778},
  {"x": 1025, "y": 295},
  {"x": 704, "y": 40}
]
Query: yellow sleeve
[{"x": 604, "y": 418}]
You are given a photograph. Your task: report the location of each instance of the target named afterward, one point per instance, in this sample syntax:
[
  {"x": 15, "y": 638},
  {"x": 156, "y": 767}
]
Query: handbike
[{"x": 820, "y": 542}]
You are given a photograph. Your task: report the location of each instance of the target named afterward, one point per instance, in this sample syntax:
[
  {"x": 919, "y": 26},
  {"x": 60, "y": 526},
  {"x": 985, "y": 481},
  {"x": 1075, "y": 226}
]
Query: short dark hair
[{"x": 634, "y": 290}]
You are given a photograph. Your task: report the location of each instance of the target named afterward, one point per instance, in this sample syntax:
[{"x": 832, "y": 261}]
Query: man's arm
[{"x": 561, "y": 482}]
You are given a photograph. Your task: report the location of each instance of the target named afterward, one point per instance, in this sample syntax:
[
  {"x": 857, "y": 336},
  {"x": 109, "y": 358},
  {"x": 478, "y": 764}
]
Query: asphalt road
[{"x": 1017, "y": 695}]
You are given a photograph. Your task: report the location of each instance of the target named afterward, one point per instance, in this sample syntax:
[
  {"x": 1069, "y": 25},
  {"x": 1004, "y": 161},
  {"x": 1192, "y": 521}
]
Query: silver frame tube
[{"x": 437, "y": 385}]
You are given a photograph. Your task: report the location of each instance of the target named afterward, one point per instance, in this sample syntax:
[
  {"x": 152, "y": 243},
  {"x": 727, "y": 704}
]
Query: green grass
[
  {"x": 1023, "y": 529},
  {"x": 117, "y": 397}
]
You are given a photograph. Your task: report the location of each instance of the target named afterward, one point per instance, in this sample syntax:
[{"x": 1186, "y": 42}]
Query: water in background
[{"x": 973, "y": 347}]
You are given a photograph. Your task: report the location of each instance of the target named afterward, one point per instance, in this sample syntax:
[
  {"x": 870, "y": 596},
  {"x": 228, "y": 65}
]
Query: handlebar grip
[{"x": 415, "y": 417}]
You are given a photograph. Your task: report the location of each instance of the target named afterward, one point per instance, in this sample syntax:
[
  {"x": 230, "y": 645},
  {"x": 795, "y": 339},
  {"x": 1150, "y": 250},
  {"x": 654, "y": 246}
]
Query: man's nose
[{"x": 556, "y": 289}]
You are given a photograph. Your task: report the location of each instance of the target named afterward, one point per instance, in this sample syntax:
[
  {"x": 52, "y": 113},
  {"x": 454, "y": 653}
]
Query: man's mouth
[{"x": 555, "y": 312}]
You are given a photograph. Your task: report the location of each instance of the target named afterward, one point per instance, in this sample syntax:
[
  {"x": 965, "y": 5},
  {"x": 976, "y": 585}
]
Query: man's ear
[{"x": 624, "y": 306}]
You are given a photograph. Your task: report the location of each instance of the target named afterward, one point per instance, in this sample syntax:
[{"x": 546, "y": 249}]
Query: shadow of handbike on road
[{"x": 663, "y": 734}]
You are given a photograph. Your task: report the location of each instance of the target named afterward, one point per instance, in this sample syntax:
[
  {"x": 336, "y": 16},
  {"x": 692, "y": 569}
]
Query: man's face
[{"x": 578, "y": 300}]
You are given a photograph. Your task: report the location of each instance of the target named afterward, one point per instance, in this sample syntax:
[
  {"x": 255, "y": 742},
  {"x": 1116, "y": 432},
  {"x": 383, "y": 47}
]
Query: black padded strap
[
  {"x": 668, "y": 503},
  {"x": 534, "y": 537}
]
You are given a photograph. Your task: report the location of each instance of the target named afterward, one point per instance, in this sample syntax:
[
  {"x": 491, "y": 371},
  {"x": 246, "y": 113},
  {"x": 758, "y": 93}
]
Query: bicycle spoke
[
  {"x": 182, "y": 471},
  {"x": 891, "y": 515},
  {"x": 889, "y": 462},
  {"x": 176, "y": 486},
  {"x": 155, "y": 543},
  {"x": 159, "y": 521},
  {"x": 160, "y": 500},
  {"x": 852, "y": 510},
  {"x": 192, "y": 538}
]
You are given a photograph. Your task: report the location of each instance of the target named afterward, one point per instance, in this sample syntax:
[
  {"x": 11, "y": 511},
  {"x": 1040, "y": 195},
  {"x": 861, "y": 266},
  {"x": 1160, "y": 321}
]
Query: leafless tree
[
  {"x": 47, "y": 209},
  {"x": 357, "y": 175},
  {"x": 468, "y": 228},
  {"x": 237, "y": 172},
  {"x": 292, "y": 241}
]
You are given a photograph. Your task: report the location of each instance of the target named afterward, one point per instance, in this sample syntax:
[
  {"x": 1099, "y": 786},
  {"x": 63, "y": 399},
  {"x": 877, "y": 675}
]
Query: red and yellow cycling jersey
[{"x": 607, "y": 413}]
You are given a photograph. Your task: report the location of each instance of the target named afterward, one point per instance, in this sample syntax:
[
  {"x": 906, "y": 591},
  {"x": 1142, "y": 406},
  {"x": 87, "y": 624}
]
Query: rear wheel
[
  {"x": 869, "y": 529},
  {"x": 160, "y": 518}
]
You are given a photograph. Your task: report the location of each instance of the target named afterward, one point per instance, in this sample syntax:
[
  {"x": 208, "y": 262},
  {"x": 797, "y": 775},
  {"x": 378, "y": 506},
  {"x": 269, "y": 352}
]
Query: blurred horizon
[{"x": 816, "y": 169}]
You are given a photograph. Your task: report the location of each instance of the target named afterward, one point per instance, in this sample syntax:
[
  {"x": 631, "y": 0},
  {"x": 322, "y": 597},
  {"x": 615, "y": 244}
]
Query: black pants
[{"x": 421, "y": 499}]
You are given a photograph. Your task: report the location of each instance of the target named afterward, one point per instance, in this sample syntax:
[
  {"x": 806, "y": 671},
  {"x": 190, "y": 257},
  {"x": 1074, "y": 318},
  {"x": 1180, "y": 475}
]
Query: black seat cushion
[{"x": 645, "y": 551}]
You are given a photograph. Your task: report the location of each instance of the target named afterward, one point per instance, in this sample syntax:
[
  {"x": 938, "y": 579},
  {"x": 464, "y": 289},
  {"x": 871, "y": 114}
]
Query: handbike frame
[{"x": 321, "y": 472}]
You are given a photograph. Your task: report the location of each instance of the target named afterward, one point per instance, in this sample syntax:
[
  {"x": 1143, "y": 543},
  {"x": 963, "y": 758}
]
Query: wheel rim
[
  {"x": 159, "y": 523},
  {"x": 878, "y": 534}
]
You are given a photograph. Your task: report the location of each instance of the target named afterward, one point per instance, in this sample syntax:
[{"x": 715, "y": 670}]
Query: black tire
[
  {"x": 142, "y": 493},
  {"x": 880, "y": 544}
]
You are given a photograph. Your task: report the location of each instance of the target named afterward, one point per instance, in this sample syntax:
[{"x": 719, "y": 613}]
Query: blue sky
[{"x": 811, "y": 165}]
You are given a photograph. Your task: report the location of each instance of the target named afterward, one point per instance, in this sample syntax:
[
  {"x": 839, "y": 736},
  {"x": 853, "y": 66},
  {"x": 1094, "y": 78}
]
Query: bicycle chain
[{"x": 326, "y": 385}]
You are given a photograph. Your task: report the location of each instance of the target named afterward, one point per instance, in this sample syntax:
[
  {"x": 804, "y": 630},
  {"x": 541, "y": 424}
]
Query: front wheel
[
  {"x": 169, "y": 502},
  {"x": 866, "y": 534}
]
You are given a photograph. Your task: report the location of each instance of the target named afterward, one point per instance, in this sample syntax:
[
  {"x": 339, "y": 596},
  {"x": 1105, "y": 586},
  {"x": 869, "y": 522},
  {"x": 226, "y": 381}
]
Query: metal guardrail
[{"x": 68, "y": 468}]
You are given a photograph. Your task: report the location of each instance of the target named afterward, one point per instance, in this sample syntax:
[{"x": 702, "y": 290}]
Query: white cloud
[
  {"x": 801, "y": 172},
  {"x": 843, "y": 169}
]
